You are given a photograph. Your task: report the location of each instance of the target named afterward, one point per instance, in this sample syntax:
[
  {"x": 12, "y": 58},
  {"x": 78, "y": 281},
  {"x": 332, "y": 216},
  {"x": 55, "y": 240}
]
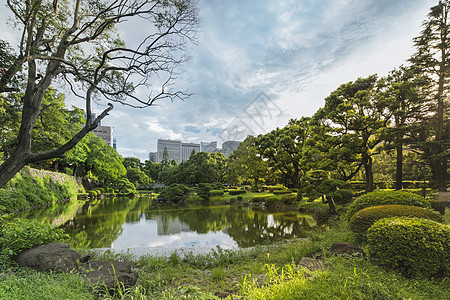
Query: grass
[{"x": 262, "y": 272}]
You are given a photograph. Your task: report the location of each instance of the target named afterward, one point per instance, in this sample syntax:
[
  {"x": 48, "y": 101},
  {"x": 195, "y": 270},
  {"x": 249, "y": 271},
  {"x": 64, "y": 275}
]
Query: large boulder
[
  {"x": 313, "y": 264},
  {"x": 109, "y": 273},
  {"x": 50, "y": 257}
]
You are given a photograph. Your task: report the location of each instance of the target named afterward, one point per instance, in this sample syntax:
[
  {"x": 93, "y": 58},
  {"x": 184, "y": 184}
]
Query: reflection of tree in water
[
  {"x": 98, "y": 226},
  {"x": 244, "y": 225}
]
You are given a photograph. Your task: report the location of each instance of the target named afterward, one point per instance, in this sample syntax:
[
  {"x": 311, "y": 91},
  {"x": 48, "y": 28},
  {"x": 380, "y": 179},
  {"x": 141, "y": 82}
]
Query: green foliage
[
  {"x": 204, "y": 191},
  {"x": 386, "y": 197},
  {"x": 438, "y": 206},
  {"x": 342, "y": 196},
  {"x": 217, "y": 192},
  {"x": 415, "y": 247},
  {"x": 26, "y": 190},
  {"x": 237, "y": 192},
  {"x": 18, "y": 234},
  {"x": 175, "y": 193},
  {"x": 289, "y": 199},
  {"x": 365, "y": 218}
]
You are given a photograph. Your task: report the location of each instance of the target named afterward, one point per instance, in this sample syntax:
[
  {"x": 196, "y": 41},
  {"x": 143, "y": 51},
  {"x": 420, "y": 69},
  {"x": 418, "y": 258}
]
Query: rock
[
  {"x": 50, "y": 257},
  {"x": 109, "y": 273},
  {"x": 346, "y": 248},
  {"x": 313, "y": 264}
]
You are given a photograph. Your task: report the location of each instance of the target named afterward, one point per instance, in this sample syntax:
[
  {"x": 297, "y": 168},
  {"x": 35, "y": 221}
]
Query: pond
[{"x": 136, "y": 223}]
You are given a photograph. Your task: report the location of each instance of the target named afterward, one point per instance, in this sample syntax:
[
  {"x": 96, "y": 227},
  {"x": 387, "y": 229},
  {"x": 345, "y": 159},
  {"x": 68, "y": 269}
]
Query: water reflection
[{"x": 122, "y": 223}]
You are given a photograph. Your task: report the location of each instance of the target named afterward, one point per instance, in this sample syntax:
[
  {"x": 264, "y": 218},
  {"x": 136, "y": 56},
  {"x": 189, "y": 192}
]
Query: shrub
[
  {"x": 258, "y": 199},
  {"x": 12, "y": 200},
  {"x": 92, "y": 193},
  {"x": 270, "y": 201},
  {"x": 415, "y": 247},
  {"x": 363, "y": 219},
  {"x": 278, "y": 187},
  {"x": 438, "y": 206},
  {"x": 204, "y": 191},
  {"x": 20, "y": 234},
  {"x": 256, "y": 189},
  {"x": 216, "y": 192},
  {"x": 282, "y": 192},
  {"x": 342, "y": 196},
  {"x": 175, "y": 192},
  {"x": 384, "y": 198},
  {"x": 237, "y": 192},
  {"x": 289, "y": 199}
]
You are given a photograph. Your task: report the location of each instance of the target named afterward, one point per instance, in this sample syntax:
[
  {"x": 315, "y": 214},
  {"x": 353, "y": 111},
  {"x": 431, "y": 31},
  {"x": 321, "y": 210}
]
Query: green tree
[
  {"x": 77, "y": 43},
  {"x": 283, "y": 149},
  {"x": 202, "y": 167},
  {"x": 138, "y": 177},
  {"x": 354, "y": 117},
  {"x": 132, "y": 162},
  {"x": 152, "y": 169},
  {"x": 246, "y": 164},
  {"x": 432, "y": 61}
]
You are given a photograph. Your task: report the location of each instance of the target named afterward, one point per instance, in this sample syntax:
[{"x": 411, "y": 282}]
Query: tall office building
[
  {"x": 153, "y": 157},
  {"x": 229, "y": 147},
  {"x": 105, "y": 133},
  {"x": 173, "y": 148},
  {"x": 187, "y": 149},
  {"x": 209, "y": 147}
]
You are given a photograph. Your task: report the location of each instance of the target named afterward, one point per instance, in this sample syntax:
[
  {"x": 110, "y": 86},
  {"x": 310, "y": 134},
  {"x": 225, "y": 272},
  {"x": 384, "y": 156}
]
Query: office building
[
  {"x": 173, "y": 149},
  {"x": 187, "y": 149},
  {"x": 209, "y": 147},
  {"x": 153, "y": 157},
  {"x": 229, "y": 147},
  {"x": 105, "y": 133}
]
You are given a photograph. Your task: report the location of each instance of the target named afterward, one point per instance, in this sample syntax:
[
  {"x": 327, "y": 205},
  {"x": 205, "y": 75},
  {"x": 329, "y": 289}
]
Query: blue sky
[{"x": 260, "y": 63}]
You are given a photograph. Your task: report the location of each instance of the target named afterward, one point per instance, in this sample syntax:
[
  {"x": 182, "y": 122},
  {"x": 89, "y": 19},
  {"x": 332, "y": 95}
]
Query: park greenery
[{"x": 374, "y": 156}]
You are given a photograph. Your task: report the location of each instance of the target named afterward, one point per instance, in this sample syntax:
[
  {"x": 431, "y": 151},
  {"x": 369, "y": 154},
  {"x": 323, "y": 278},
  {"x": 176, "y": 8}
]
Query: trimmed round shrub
[
  {"x": 413, "y": 246},
  {"x": 385, "y": 198},
  {"x": 270, "y": 201},
  {"x": 438, "y": 206},
  {"x": 282, "y": 192},
  {"x": 342, "y": 196},
  {"x": 289, "y": 199},
  {"x": 216, "y": 192},
  {"x": 363, "y": 219},
  {"x": 258, "y": 199},
  {"x": 237, "y": 192}
]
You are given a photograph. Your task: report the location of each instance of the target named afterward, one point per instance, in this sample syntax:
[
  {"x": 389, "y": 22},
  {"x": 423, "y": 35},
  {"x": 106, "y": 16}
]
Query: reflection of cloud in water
[{"x": 145, "y": 234}]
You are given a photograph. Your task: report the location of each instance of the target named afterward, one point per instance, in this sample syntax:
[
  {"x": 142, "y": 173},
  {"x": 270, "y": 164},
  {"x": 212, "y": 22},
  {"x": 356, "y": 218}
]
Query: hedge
[
  {"x": 236, "y": 192},
  {"x": 413, "y": 246},
  {"x": 216, "y": 192},
  {"x": 385, "y": 198},
  {"x": 365, "y": 218},
  {"x": 438, "y": 206},
  {"x": 342, "y": 196}
]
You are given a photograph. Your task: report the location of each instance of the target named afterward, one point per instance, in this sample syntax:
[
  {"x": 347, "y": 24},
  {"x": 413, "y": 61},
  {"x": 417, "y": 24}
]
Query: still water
[{"x": 123, "y": 223}]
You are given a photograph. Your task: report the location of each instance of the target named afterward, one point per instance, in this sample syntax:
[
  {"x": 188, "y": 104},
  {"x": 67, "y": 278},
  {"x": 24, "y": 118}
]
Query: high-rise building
[
  {"x": 105, "y": 133},
  {"x": 209, "y": 147},
  {"x": 173, "y": 149},
  {"x": 187, "y": 149},
  {"x": 153, "y": 157},
  {"x": 229, "y": 147}
]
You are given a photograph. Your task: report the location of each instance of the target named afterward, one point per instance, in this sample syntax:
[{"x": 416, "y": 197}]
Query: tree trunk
[
  {"x": 12, "y": 166},
  {"x": 399, "y": 168},
  {"x": 367, "y": 161}
]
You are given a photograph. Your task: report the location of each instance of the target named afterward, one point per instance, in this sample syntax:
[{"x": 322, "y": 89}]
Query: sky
[{"x": 259, "y": 63}]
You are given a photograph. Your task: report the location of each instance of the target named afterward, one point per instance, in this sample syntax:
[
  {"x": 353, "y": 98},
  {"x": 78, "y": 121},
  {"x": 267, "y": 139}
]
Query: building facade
[
  {"x": 187, "y": 149},
  {"x": 229, "y": 147},
  {"x": 173, "y": 148},
  {"x": 105, "y": 133},
  {"x": 209, "y": 147}
]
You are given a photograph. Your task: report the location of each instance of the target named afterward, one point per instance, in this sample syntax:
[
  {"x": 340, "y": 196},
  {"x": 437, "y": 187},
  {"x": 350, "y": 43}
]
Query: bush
[
  {"x": 363, "y": 219},
  {"x": 384, "y": 198},
  {"x": 20, "y": 234},
  {"x": 204, "y": 191},
  {"x": 256, "y": 189},
  {"x": 289, "y": 199},
  {"x": 259, "y": 199},
  {"x": 237, "y": 192},
  {"x": 278, "y": 187},
  {"x": 217, "y": 192},
  {"x": 415, "y": 247},
  {"x": 175, "y": 192},
  {"x": 438, "y": 206},
  {"x": 11, "y": 201},
  {"x": 92, "y": 193},
  {"x": 270, "y": 201},
  {"x": 282, "y": 192},
  {"x": 342, "y": 196}
]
